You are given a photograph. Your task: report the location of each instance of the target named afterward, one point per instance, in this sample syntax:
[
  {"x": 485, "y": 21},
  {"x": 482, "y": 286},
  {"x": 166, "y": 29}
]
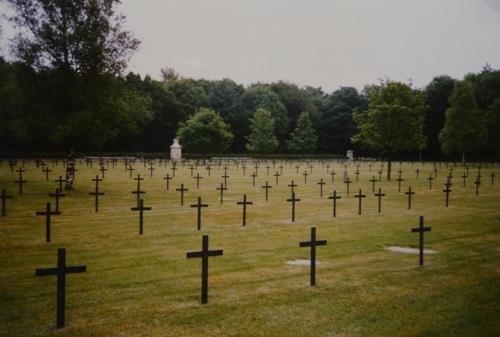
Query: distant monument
[
  {"x": 350, "y": 154},
  {"x": 175, "y": 151}
]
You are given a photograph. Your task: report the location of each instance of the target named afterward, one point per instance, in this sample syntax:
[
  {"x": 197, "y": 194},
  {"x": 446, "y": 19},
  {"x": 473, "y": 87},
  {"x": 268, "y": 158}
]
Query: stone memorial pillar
[
  {"x": 350, "y": 154},
  {"x": 175, "y": 151}
]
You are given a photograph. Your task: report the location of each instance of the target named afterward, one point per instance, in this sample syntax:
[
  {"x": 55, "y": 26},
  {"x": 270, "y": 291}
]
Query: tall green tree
[
  {"x": 262, "y": 138},
  {"x": 393, "y": 122},
  {"x": 205, "y": 132},
  {"x": 303, "y": 139},
  {"x": 464, "y": 130}
]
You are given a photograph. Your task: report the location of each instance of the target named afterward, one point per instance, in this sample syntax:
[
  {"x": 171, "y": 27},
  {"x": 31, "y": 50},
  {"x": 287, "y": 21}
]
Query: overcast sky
[{"x": 326, "y": 43}]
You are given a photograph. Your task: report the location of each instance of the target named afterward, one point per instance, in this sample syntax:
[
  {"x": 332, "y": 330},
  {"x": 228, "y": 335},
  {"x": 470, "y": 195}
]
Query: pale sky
[{"x": 326, "y": 43}]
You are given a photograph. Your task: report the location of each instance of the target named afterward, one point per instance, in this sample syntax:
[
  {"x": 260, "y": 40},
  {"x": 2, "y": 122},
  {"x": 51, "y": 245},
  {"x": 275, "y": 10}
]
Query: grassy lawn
[{"x": 145, "y": 286}]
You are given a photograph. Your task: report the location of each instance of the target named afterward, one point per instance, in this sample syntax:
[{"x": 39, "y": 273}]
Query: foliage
[
  {"x": 304, "y": 139},
  {"x": 262, "y": 138},
  {"x": 204, "y": 132},
  {"x": 464, "y": 129}
]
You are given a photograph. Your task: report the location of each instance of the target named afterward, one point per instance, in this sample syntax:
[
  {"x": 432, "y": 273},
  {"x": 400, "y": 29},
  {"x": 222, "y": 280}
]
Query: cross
[
  {"x": 347, "y": 182},
  {"x": 357, "y": 175},
  {"x": 492, "y": 178},
  {"x": 221, "y": 189},
  {"x": 321, "y": 183},
  {"x": 182, "y": 190},
  {"x": 48, "y": 215},
  {"x": 399, "y": 180},
  {"x": 297, "y": 168},
  {"x": 209, "y": 168},
  {"x": 417, "y": 171},
  {"x": 198, "y": 177},
  {"x": 256, "y": 167},
  {"x": 379, "y": 195},
  {"x": 141, "y": 210},
  {"x": 4, "y": 198},
  {"x": 333, "y": 175},
  {"x": 60, "y": 181},
  {"x": 21, "y": 181},
  {"x": 199, "y": 205},
  {"x": 244, "y": 203},
  {"x": 281, "y": 169},
  {"x": 421, "y": 229},
  {"x": 267, "y": 187},
  {"x": 373, "y": 181},
  {"x": 204, "y": 254},
  {"x": 173, "y": 170},
  {"x": 130, "y": 169},
  {"x": 359, "y": 196},
  {"x": 225, "y": 176},
  {"x": 447, "y": 190},
  {"x": 293, "y": 200},
  {"x": 61, "y": 270},
  {"x": 370, "y": 167},
  {"x": 57, "y": 195},
  {"x": 277, "y": 175},
  {"x": 379, "y": 175},
  {"x": 334, "y": 197},
  {"x": 430, "y": 181},
  {"x": 46, "y": 171},
  {"x": 96, "y": 193},
  {"x": 464, "y": 177},
  {"x": 313, "y": 243},
  {"x": 138, "y": 191},
  {"x": 305, "y": 174},
  {"x": 293, "y": 185},
  {"x": 151, "y": 169},
  {"x": 102, "y": 169},
  {"x": 243, "y": 167},
  {"x": 267, "y": 169},
  {"x": 409, "y": 193},
  {"x": 167, "y": 179},
  {"x": 254, "y": 174},
  {"x": 477, "y": 183},
  {"x": 435, "y": 171},
  {"x": 191, "y": 168}
]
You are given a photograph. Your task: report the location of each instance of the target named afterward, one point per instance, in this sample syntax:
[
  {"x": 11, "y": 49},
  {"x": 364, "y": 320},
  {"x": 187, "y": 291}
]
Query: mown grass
[{"x": 144, "y": 285}]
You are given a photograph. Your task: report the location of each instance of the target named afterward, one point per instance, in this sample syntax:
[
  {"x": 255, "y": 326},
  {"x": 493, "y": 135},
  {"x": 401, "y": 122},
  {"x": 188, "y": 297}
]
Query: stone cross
[{"x": 61, "y": 270}]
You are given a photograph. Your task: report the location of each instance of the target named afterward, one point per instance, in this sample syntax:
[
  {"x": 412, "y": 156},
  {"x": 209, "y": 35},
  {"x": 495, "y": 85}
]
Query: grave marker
[
  {"x": 293, "y": 200},
  {"x": 57, "y": 195},
  {"x": 198, "y": 177},
  {"x": 46, "y": 171},
  {"x": 379, "y": 195},
  {"x": 182, "y": 190},
  {"x": 244, "y": 203},
  {"x": 421, "y": 230},
  {"x": 167, "y": 179},
  {"x": 48, "y": 216},
  {"x": 60, "y": 181},
  {"x": 360, "y": 196},
  {"x": 321, "y": 183},
  {"x": 4, "y": 199},
  {"x": 199, "y": 206},
  {"x": 409, "y": 193},
  {"x": 313, "y": 243},
  {"x": 20, "y": 181},
  {"x": 334, "y": 197},
  {"x": 221, "y": 189},
  {"x": 96, "y": 193},
  {"x": 267, "y": 187},
  {"x": 141, "y": 210},
  {"x": 447, "y": 191}
]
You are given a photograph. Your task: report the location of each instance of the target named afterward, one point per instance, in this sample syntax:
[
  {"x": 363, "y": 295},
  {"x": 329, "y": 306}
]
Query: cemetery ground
[{"x": 143, "y": 285}]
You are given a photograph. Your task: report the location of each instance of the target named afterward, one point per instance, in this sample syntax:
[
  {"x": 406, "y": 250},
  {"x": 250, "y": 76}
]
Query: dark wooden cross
[
  {"x": 409, "y": 193},
  {"x": 447, "y": 190},
  {"x": 46, "y": 170},
  {"x": 244, "y": 203},
  {"x": 243, "y": 167},
  {"x": 141, "y": 210},
  {"x": 151, "y": 169},
  {"x": 256, "y": 167},
  {"x": 173, "y": 168},
  {"x": 360, "y": 196},
  {"x": 254, "y": 175},
  {"x": 417, "y": 171},
  {"x": 57, "y": 195},
  {"x": 373, "y": 181},
  {"x": 61, "y": 270},
  {"x": 209, "y": 168},
  {"x": 347, "y": 182},
  {"x": 333, "y": 175},
  {"x": 103, "y": 169},
  {"x": 4, "y": 199},
  {"x": 182, "y": 190},
  {"x": 293, "y": 200},
  {"x": 334, "y": 197},
  {"x": 464, "y": 177},
  {"x": 225, "y": 176},
  {"x": 313, "y": 243},
  {"x": 96, "y": 193},
  {"x": 379, "y": 175},
  {"x": 305, "y": 174},
  {"x": 430, "y": 181},
  {"x": 399, "y": 180},
  {"x": 477, "y": 183},
  {"x": 421, "y": 230},
  {"x": 321, "y": 183},
  {"x": 20, "y": 181},
  {"x": 379, "y": 195},
  {"x": 60, "y": 181},
  {"x": 48, "y": 216},
  {"x": 267, "y": 187},
  {"x": 435, "y": 172},
  {"x": 297, "y": 169},
  {"x": 492, "y": 178},
  {"x": 204, "y": 254},
  {"x": 357, "y": 175},
  {"x": 292, "y": 186},
  {"x": 198, "y": 177},
  {"x": 277, "y": 175},
  {"x": 130, "y": 169},
  {"x": 138, "y": 191},
  {"x": 167, "y": 179},
  {"x": 221, "y": 189},
  {"x": 191, "y": 169},
  {"x": 281, "y": 169},
  {"x": 199, "y": 205},
  {"x": 267, "y": 169}
]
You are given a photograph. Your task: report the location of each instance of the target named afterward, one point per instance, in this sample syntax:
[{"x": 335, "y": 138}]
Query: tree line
[{"x": 67, "y": 89}]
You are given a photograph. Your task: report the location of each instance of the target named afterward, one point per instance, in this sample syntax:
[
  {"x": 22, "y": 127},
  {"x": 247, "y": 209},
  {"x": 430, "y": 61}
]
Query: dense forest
[{"x": 65, "y": 87}]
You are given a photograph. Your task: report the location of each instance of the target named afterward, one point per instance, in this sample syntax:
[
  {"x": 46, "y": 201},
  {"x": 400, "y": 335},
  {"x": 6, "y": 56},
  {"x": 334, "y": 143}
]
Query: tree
[
  {"x": 262, "y": 138},
  {"x": 205, "y": 132},
  {"x": 464, "y": 130},
  {"x": 437, "y": 93},
  {"x": 304, "y": 137},
  {"x": 394, "y": 120},
  {"x": 336, "y": 126}
]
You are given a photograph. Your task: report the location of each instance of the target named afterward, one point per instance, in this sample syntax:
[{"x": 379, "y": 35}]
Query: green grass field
[{"x": 145, "y": 286}]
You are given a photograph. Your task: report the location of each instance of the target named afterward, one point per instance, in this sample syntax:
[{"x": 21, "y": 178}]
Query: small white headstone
[
  {"x": 175, "y": 151},
  {"x": 350, "y": 154}
]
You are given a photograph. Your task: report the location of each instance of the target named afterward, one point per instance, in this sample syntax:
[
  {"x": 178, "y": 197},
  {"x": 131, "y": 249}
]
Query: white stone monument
[
  {"x": 175, "y": 151},
  {"x": 350, "y": 154}
]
